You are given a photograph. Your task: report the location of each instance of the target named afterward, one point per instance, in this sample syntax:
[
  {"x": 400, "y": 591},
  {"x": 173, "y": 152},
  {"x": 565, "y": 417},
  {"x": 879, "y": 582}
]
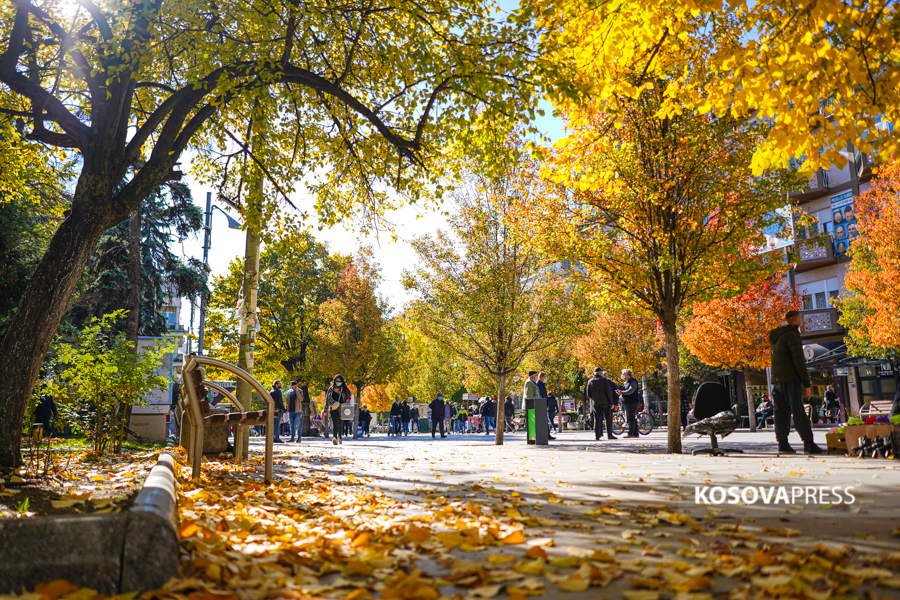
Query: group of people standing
[{"x": 337, "y": 394}]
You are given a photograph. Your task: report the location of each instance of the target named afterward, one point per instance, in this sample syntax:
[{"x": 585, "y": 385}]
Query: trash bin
[{"x": 537, "y": 425}]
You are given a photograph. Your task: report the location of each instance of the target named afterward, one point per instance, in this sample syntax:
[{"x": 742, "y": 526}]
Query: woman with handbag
[{"x": 336, "y": 395}]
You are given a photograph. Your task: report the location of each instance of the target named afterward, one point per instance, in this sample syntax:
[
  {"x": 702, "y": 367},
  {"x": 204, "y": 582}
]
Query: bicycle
[{"x": 645, "y": 421}]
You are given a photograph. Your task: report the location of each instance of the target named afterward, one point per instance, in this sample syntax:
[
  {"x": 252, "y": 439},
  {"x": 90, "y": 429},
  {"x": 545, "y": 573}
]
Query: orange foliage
[
  {"x": 733, "y": 333},
  {"x": 873, "y": 313},
  {"x": 376, "y": 398},
  {"x": 619, "y": 341}
]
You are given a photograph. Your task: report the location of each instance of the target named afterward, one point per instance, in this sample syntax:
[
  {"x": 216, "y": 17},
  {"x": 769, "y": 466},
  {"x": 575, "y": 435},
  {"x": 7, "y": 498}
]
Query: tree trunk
[
  {"x": 133, "y": 320},
  {"x": 359, "y": 393},
  {"x": 250, "y": 285},
  {"x": 751, "y": 409},
  {"x": 674, "y": 377},
  {"x": 501, "y": 417},
  {"x": 36, "y": 321}
]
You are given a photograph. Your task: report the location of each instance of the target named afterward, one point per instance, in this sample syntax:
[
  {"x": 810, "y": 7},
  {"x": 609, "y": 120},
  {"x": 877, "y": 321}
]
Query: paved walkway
[{"x": 626, "y": 482}]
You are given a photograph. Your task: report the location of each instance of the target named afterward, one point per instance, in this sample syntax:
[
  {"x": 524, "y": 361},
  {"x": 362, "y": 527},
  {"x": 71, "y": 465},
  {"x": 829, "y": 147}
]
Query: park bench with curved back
[{"x": 200, "y": 416}]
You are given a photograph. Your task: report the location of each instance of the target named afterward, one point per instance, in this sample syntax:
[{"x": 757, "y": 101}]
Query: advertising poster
[{"x": 843, "y": 217}]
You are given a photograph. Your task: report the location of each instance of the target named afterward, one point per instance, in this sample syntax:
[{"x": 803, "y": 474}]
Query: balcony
[
  {"x": 818, "y": 185},
  {"x": 820, "y": 322},
  {"x": 814, "y": 253}
]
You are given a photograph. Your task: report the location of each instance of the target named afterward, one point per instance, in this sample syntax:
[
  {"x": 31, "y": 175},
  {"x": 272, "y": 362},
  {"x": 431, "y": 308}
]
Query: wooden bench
[
  {"x": 875, "y": 408},
  {"x": 199, "y": 415}
]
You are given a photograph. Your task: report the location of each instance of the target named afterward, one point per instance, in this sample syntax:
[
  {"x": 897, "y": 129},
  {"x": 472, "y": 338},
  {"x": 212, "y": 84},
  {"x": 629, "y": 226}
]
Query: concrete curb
[{"x": 111, "y": 553}]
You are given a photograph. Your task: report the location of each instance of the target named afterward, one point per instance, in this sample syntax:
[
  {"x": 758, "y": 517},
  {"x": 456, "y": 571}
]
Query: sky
[{"x": 393, "y": 256}]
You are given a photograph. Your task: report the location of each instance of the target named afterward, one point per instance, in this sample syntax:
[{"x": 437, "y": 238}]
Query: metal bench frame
[
  {"x": 875, "y": 408},
  {"x": 193, "y": 394}
]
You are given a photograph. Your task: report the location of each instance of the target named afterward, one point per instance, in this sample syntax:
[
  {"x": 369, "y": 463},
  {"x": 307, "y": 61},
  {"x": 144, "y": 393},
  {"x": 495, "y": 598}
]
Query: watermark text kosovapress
[{"x": 716, "y": 494}]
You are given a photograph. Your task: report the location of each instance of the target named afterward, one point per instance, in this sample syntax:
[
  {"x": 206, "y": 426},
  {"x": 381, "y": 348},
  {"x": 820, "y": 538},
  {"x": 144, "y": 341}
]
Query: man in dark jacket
[
  {"x": 45, "y": 413},
  {"x": 509, "y": 411},
  {"x": 437, "y": 415},
  {"x": 278, "y": 398},
  {"x": 600, "y": 394},
  {"x": 365, "y": 419},
  {"x": 414, "y": 418},
  {"x": 404, "y": 417},
  {"x": 396, "y": 414},
  {"x": 790, "y": 385},
  {"x": 631, "y": 398}
]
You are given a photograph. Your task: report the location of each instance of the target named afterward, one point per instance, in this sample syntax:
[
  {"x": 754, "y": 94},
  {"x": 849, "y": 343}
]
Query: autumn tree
[
  {"x": 424, "y": 367},
  {"x": 733, "y": 333},
  {"x": 481, "y": 292},
  {"x": 618, "y": 340},
  {"x": 297, "y": 274},
  {"x": 823, "y": 72},
  {"x": 871, "y": 309},
  {"x": 660, "y": 212},
  {"x": 354, "y": 100},
  {"x": 355, "y": 337}
]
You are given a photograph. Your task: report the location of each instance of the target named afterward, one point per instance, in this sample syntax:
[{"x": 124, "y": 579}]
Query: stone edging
[{"x": 112, "y": 553}]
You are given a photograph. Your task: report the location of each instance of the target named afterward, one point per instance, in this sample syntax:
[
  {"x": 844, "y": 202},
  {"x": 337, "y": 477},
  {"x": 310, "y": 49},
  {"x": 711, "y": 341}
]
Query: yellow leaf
[
  {"x": 574, "y": 583},
  {"x": 565, "y": 562},
  {"x": 417, "y": 535},
  {"x": 487, "y": 591},
  {"x": 450, "y": 539},
  {"x": 530, "y": 567},
  {"x": 500, "y": 559},
  {"x": 516, "y": 537}
]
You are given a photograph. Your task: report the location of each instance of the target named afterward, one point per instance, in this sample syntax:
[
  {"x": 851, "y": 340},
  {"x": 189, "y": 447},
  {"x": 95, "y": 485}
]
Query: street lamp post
[{"x": 207, "y": 235}]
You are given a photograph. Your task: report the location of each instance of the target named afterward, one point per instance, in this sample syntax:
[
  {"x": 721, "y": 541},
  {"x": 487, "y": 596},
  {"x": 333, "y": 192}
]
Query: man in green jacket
[
  {"x": 790, "y": 385},
  {"x": 531, "y": 391}
]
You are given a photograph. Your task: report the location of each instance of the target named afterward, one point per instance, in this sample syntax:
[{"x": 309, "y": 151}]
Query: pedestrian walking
[
  {"x": 509, "y": 411},
  {"x": 631, "y": 399},
  {"x": 295, "y": 412},
  {"x": 600, "y": 394},
  {"x": 365, "y": 419},
  {"x": 832, "y": 406},
  {"x": 488, "y": 411},
  {"x": 45, "y": 413},
  {"x": 462, "y": 418},
  {"x": 396, "y": 414},
  {"x": 448, "y": 415},
  {"x": 437, "y": 415},
  {"x": 685, "y": 408},
  {"x": 278, "y": 399},
  {"x": 336, "y": 395},
  {"x": 790, "y": 385},
  {"x": 414, "y": 418},
  {"x": 552, "y": 410},
  {"x": 405, "y": 417}
]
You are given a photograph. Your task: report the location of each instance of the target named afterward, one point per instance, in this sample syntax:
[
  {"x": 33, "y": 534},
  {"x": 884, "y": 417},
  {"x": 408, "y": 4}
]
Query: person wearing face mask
[{"x": 336, "y": 395}]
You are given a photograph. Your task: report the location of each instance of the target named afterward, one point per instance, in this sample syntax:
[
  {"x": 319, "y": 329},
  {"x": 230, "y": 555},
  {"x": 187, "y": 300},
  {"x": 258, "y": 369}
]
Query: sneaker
[
  {"x": 811, "y": 448},
  {"x": 277, "y": 441},
  {"x": 611, "y": 437},
  {"x": 291, "y": 441},
  {"x": 785, "y": 448},
  {"x": 334, "y": 441}
]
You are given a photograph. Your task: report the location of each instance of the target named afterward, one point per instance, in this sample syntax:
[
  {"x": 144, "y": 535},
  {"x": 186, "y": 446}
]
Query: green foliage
[
  {"x": 425, "y": 367},
  {"x": 296, "y": 275},
  {"x": 98, "y": 376},
  {"x": 168, "y": 216}
]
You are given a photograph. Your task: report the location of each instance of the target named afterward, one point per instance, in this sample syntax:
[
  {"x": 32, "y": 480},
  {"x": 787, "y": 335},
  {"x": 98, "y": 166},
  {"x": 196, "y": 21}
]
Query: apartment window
[
  {"x": 817, "y": 295},
  {"x": 170, "y": 318}
]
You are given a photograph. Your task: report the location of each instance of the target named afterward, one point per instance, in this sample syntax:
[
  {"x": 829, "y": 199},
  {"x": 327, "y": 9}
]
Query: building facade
[{"x": 819, "y": 255}]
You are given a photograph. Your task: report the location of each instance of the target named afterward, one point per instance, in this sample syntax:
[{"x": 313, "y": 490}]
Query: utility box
[{"x": 537, "y": 424}]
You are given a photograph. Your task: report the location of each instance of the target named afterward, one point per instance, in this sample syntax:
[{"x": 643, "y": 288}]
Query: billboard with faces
[{"x": 843, "y": 217}]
